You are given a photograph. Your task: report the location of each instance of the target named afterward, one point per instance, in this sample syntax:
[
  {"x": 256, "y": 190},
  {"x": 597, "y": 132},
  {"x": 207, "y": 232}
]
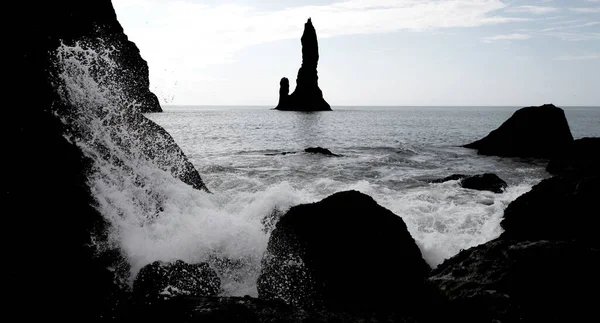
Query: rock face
[
  {"x": 253, "y": 310},
  {"x": 343, "y": 252},
  {"x": 539, "y": 132},
  {"x": 307, "y": 96},
  {"x": 580, "y": 158},
  {"x": 529, "y": 281},
  {"x": 558, "y": 208},
  {"x": 484, "y": 182},
  {"x": 160, "y": 280},
  {"x": 47, "y": 185}
]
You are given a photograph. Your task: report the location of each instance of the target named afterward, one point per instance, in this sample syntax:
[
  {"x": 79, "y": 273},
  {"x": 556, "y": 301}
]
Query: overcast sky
[{"x": 372, "y": 52}]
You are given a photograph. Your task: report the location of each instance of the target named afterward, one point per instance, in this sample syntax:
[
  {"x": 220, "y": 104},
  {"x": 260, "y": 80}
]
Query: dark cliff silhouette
[
  {"x": 307, "y": 96},
  {"x": 47, "y": 194}
]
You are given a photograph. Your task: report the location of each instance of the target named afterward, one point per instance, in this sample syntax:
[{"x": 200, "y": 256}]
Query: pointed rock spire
[{"x": 307, "y": 96}]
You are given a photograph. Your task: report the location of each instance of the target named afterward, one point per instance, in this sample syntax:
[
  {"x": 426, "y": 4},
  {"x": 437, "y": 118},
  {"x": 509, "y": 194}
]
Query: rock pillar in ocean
[{"x": 307, "y": 96}]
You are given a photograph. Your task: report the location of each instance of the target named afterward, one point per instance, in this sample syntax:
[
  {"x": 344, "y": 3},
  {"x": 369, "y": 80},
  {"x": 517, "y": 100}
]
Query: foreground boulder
[
  {"x": 345, "y": 251},
  {"x": 539, "y": 132},
  {"x": 484, "y": 182},
  {"x": 161, "y": 280},
  {"x": 580, "y": 158},
  {"x": 307, "y": 96},
  {"x": 558, "y": 208},
  {"x": 529, "y": 281}
]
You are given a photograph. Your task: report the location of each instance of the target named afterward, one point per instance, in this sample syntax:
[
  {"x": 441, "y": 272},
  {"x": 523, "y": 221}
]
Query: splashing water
[
  {"x": 155, "y": 216},
  {"x": 152, "y": 214}
]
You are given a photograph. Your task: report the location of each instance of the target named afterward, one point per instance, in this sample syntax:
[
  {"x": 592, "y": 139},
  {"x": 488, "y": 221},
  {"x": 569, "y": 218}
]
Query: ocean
[{"x": 389, "y": 153}]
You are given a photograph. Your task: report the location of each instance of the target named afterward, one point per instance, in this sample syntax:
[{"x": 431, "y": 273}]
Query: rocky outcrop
[
  {"x": 543, "y": 266},
  {"x": 558, "y": 208},
  {"x": 162, "y": 280},
  {"x": 528, "y": 281},
  {"x": 253, "y": 310},
  {"x": 52, "y": 210},
  {"x": 320, "y": 150},
  {"x": 580, "y": 158},
  {"x": 484, "y": 182},
  {"x": 539, "y": 132},
  {"x": 344, "y": 252},
  {"x": 307, "y": 96}
]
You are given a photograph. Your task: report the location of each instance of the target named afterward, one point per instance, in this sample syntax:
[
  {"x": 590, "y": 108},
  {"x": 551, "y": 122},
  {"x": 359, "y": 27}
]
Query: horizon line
[{"x": 391, "y": 106}]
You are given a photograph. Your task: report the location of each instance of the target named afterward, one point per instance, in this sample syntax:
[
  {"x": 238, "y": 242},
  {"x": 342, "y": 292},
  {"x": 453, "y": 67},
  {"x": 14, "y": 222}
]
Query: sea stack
[{"x": 307, "y": 96}]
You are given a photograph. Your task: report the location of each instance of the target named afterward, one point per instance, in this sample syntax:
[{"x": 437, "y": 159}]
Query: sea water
[{"x": 389, "y": 153}]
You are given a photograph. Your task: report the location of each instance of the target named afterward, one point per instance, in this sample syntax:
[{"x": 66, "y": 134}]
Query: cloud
[
  {"x": 586, "y": 9},
  {"x": 578, "y": 58},
  {"x": 574, "y": 36},
  {"x": 179, "y": 37},
  {"x": 536, "y": 10},
  {"x": 177, "y": 30},
  {"x": 507, "y": 37},
  {"x": 589, "y": 24}
]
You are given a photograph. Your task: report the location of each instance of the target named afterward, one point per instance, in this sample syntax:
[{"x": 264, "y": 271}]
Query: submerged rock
[
  {"x": 539, "y": 132},
  {"x": 162, "y": 280},
  {"x": 319, "y": 150},
  {"x": 483, "y": 182},
  {"x": 345, "y": 251},
  {"x": 507, "y": 281},
  {"x": 580, "y": 158},
  {"x": 307, "y": 96},
  {"x": 558, "y": 208}
]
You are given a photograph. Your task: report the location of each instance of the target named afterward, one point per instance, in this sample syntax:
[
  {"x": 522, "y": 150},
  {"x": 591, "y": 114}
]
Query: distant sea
[{"x": 389, "y": 153}]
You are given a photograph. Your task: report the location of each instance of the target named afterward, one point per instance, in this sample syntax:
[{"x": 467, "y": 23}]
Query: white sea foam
[{"x": 154, "y": 216}]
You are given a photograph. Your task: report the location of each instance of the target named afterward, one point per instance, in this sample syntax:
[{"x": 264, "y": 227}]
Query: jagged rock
[
  {"x": 484, "y": 182},
  {"x": 558, "y": 208},
  {"x": 580, "y": 158},
  {"x": 48, "y": 184},
  {"x": 307, "y": 96},
  {"x": 252, "y": 310},
  {"x": 319, "y": 150},
  {"x": 539, "y": 132},
  {"x": 163, "y": 280},
  {"x": 507, "y": 281},
  {"x": 345, "y": 251}
]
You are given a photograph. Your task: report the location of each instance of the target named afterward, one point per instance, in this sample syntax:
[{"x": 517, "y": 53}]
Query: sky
[{"x": 372, "y": 52}]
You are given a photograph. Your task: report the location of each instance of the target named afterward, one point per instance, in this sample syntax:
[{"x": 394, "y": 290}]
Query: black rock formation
[
  {"x": 51, "y": 211},
  {"x": 484, "y": 182},
  {"x": 580, "y": 158},
  {"x": 160, "y": 280},
  {"x": 344, "y": 252},
  {"x": 528, "y": 281},
  {"x": 539, "y": 132},
  {"x": 559, "y": 208},
  {"x": 307, "y": 96},
  {"x": 252, "y": 310},
  {"x": 319, "y": 150}
]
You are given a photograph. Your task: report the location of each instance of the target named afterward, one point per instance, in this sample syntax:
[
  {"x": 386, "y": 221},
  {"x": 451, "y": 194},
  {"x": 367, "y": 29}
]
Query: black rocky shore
[{"x": 342, "y": 259}]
